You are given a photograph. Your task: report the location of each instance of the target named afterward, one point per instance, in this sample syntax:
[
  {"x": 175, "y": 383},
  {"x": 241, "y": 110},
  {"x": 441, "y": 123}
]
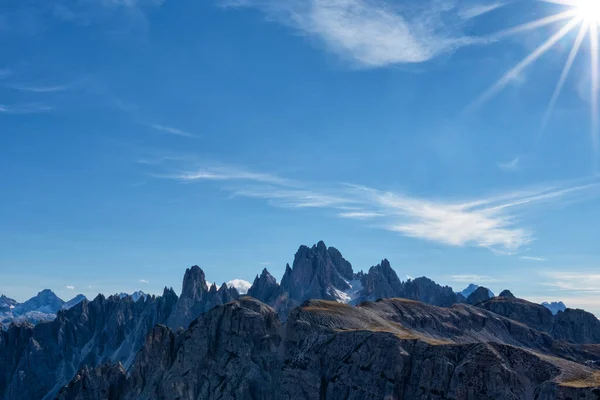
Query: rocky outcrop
[
  {"x": 381, "y": 282},
  {"x": 507, "y": 293},
  {"x": 480, "y": 295},
  {"x": 101, "y": 383},
  {"x": 318, "y": 272},
  {"x": 197, "y": 298},
  {"x": 265, "y": 288},
  {"x": 577, "y": 326},
  {"x": 427, "y": 291},
  {"x": 391, "y": 349},
  {"x": 531, "y": 314}
]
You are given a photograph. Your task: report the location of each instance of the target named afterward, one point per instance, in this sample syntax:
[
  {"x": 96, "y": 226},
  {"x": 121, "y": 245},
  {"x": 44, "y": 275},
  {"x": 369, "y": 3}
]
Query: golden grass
[{"x": 588, "y": 381}]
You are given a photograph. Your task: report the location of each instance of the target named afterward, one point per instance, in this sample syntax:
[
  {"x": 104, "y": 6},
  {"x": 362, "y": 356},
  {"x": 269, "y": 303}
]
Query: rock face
[
  {"x": 265, "y": 288},
  {"x": 392, "y": 349},
  {"x": 317, "y": 273},
  {"x": 555, "y": 307},
  {"x": 381, "y": 282},
  {"x": 576, "y": 326}
]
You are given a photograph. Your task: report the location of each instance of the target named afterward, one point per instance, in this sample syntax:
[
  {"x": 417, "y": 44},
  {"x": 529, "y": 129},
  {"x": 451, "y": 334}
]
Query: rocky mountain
[
  {"x": 45, "y": 302},
  {"x": 40, "y": 308},
  {"x": 555, "y": 307},
  {"x": 466, "y": 292},
  {"x": 196, "y": 298},
  {"x": 390, "y": 349},
  {"x": 7, "y": 304},
  {"x": 73, "y": 302},
  {"x": 480, "y": 295},
  {"x": 209, "y": 343},
  {"x": 321, "y": 272},
  {"x": 38, "y": 360}
]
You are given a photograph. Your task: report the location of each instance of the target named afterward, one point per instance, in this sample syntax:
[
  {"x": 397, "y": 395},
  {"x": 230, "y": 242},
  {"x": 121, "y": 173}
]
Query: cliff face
[{"x": 391, "y": 349}]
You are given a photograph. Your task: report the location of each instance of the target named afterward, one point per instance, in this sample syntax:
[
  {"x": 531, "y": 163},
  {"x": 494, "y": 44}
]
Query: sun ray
[
  {"x": 534, "y": 24},
  {"x": 514, "y": 72},
  {"x": 595, "y": 87},
  {"x": 564, "y": 74}
]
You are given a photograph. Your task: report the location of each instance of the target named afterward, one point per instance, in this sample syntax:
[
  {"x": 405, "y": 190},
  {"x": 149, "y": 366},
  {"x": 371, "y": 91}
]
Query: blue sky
[{"x": 139, "y": 137}]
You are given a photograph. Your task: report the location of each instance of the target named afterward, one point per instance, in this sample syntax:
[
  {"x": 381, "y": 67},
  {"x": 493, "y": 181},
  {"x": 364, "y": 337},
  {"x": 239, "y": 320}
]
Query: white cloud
[
  {"x": 227, "y": 173},
  {"x": 578, "y": 282},
  {"x": 360, "y": 215},
  {"x": 17, "y": 109},
  {"x": 530, "y": 258},
  {"x": 478, "y": 9},
  {"x": 241, "y": 285},
  {"x": 70, "y": 287},
  {"x": 372, "y": 33},
  {"x": 510, "y": 166},
  {"x": 39, "y": 89},
  {"x": 472, "y": 278},
  {"x": 172, "y": 131},
  {"x": 144, "y": 281},
  {"x": 494, "y": 222}
]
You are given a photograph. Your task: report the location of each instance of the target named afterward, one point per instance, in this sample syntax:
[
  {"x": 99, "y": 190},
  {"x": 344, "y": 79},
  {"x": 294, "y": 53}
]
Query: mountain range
[{"x": 323, "y": 332}]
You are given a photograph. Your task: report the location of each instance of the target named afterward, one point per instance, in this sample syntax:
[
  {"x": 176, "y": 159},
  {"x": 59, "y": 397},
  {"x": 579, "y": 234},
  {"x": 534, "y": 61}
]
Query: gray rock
[{"x": 391, "y": 349}]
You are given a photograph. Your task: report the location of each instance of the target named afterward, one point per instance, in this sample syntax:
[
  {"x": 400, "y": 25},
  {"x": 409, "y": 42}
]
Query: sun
[
  {"x": 581, "y": 16},
  {"x": 588, "y": 10}
]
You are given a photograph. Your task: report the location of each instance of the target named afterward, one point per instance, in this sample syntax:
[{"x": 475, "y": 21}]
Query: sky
[{"x": 140, "y": 137}]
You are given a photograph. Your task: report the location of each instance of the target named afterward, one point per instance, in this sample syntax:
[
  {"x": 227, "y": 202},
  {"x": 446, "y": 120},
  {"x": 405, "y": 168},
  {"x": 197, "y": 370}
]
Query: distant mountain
[
  {"x": 555, "y": 306},
  {"x": 45, "y": 302},
  {"x": 135, "y": 296},
  {"x": 7, "y": 304},
  {"x": 40, "y": 308},
  {"x": 74, "y": 301},
  {"x": 466, "y": 292}
]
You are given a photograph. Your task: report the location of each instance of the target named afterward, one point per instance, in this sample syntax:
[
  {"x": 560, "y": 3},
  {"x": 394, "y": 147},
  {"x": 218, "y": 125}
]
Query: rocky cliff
[{"x": 391, "y": 349}]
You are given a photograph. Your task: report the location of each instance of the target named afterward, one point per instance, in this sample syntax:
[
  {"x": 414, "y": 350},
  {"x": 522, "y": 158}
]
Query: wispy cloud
[
  {"x": 39, "y": 89},
  {"x": 530, "y": 258},
  {"x": 472, "y": 278},
  {"x": 371, "y": 33},
  {"x": 70, "y": 287},
  {"x": 172, "y": 131},
  {"x": 17, "y": 109},
  {"x": 5, "y": 73},
  {"x": 144, "y": 281},
  {"x": 578, "y": 282},
  {"x": 477, "y": 10},
  {"x": 510, "y": 166},
  {"x": 228, "y": 173},
  {"x": 495, "y": 222}
]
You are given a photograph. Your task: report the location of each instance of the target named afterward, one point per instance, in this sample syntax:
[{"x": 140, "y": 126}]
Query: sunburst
[{"x": 582, "y": 14}]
